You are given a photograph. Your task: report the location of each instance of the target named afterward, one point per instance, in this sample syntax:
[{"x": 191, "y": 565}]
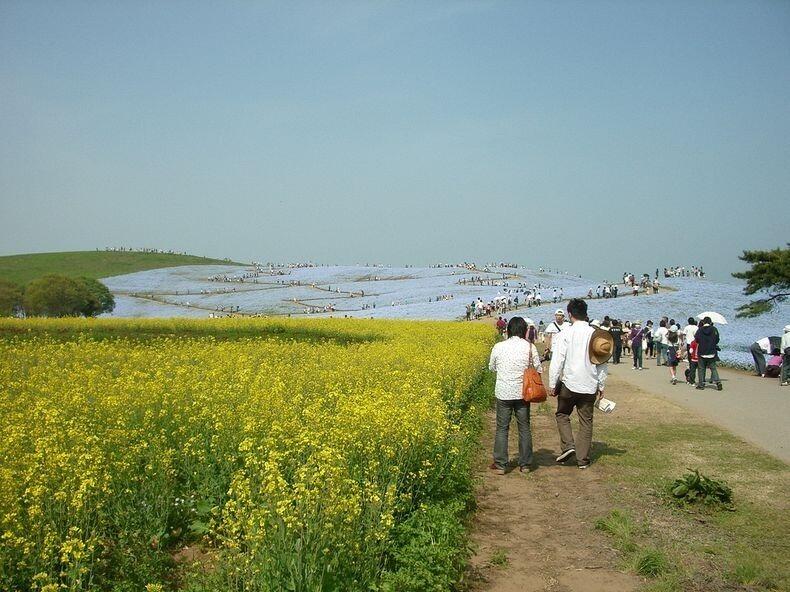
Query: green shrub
[{"x": 694, "y": 488}]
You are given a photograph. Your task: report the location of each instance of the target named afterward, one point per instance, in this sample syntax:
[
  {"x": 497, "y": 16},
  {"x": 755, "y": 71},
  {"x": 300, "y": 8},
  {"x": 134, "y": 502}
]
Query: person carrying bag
[{"x": 533, "y": 390}]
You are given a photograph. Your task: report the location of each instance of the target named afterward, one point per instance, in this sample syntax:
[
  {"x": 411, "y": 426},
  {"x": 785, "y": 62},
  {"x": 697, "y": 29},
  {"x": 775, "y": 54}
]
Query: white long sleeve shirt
[
  {"x": 785, "y": 341},
  {"x": 570, "y": 361},
  {"x": 509, "y": 359}
]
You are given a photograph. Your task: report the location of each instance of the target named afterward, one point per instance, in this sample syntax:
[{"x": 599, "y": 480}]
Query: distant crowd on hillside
[{"x": 143, "y": 250}]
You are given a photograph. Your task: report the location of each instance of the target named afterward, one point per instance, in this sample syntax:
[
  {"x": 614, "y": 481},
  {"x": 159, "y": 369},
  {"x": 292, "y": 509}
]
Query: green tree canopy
[
  {"x": 769, "y": 275},
  {"x": 61, "y": 296},
  {"x": 101, "y": 299},
  {"x": 10, "y": 298}
]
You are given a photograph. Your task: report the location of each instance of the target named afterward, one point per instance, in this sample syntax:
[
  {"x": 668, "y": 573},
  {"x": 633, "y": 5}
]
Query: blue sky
[{"x": 594, "y": 137}]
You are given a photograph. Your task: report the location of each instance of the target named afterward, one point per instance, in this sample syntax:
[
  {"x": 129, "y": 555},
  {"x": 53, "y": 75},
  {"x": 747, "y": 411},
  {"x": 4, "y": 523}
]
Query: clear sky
[{"x": 596, "y": 137}]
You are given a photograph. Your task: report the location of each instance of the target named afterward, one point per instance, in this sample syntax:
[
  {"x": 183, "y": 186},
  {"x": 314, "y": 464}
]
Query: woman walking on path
[
  {"x": 509, "y": 359},
  {"x": 650, "y": 345},
  {"x": 672, "y": 353}
]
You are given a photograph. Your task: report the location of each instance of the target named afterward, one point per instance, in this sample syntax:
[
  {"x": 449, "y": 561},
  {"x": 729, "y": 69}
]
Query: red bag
[{"x": 532, "y": 391}]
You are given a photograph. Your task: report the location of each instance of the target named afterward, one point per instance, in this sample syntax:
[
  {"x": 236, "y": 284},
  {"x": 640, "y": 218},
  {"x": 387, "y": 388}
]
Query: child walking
[{"x": 672, "y": 353}]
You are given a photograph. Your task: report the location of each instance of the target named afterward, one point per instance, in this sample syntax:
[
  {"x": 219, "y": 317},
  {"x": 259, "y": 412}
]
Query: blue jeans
[
  {"x": 661, "y": 353},
  {"x": 504, "y": 411}
]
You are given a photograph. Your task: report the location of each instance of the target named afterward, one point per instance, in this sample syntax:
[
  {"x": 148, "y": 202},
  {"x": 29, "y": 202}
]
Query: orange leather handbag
[{"x": 532, "y": 391}]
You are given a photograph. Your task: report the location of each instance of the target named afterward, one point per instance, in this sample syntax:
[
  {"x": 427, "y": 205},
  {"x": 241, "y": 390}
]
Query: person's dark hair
[
  {"x": 517, "y": 327},
  {"x": 577, "y": 308},
  {"x": 776, "y": 351},
  {"x": 672, "y": 337},
  {"x": 615, "y": 323},
  {"x": 692, "y": 321},
  {"x": 649, "y": 324},
  {"x": 663, "y": 323},
  {"x": 707, "y": 321}
]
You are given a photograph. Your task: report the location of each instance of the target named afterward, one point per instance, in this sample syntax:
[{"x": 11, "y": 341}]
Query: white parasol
[{"x": 714, "y": 316}]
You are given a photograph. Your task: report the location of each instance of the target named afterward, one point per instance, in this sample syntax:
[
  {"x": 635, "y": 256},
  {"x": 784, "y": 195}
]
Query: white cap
[
  {"x": 674, "y": 328},
  {"x": 787, "y": 328},
  {"x": 559, "y": 311},
  {"x": 595, "y": 323}
]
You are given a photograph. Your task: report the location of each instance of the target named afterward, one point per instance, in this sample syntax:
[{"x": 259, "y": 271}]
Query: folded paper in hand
[{"x": 606, "y": 405}]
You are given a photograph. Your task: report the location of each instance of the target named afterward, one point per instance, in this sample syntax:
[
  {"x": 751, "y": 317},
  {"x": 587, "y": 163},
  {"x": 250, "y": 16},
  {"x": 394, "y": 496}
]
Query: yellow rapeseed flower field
[{"x": 288, "y": 452}]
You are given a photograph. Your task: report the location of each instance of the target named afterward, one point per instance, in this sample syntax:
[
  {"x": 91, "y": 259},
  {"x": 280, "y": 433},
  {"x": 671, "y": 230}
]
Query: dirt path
[{"x": 535, "y": 532}]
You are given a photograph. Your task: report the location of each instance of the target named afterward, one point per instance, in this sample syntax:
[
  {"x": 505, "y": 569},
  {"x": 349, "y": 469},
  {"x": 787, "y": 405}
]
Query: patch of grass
[
  {"x": 647, "y": 561},
  {"x": 708, "y": 547},
  {"x": 650, "y": 562},
  {"x": 21, "y": 269},
  {"x": 499, "y": 558},
  {"x": 750, "y": 571},
  {"x": 666, "y": 583},
  {"x": 620, "y": 525}
]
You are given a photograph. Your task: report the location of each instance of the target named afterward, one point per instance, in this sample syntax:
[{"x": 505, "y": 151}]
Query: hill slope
[{"x": 21, "y": 269}]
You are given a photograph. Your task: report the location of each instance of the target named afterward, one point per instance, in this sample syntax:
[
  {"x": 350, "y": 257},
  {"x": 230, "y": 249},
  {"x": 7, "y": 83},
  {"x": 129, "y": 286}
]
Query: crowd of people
[{"x": 673, "y": 272}]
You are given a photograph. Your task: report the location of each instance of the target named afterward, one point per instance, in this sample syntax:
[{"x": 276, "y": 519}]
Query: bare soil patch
[{"x": 543, "y": 523}]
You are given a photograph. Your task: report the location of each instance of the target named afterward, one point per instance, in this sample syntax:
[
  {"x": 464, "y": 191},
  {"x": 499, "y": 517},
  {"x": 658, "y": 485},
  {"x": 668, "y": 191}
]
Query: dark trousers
[
  {"x": 704, "y": 364},
  {"x": 759, "y": 358},
  {"x": 584, "y": 404},
  {"x": 637, "y": 351},
  {"x": 618, "y": 351},
  {"x": 504, "y": 412},
  {"x": 691, "y": 372}
]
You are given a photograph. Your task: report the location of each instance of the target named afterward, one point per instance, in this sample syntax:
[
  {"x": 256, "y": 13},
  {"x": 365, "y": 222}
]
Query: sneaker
[
  {"x": 785, "y": 383},
  {"x": 564, "y": 456},
  {"x": 587, "y": 466},
  {"x": 523, "y": 469},
  {"x": 496, "y": 469},
  {"x": 633, "y": 367},
  {"x": 674, "y": 381},
  {"x": 719, "y": 386},
  {"x": 700, "y": 387}
]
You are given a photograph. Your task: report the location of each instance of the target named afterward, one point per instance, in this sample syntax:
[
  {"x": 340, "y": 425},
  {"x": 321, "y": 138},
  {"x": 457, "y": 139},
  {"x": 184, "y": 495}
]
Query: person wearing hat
[
  {"x": 784, "y": 347},
  {"x": 577, "y": 377},
  {"x": 555, "y": 327}
]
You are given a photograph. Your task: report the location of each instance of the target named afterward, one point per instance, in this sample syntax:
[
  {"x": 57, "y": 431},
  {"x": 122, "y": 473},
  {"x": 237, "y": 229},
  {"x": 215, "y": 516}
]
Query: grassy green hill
[{"x": 20, "y": 269}]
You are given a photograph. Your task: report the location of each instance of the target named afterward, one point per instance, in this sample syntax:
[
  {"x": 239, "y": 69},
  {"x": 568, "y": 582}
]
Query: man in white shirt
[
  {"x": 554, "y": 327},
  {"x": 509, "y": 359},
  {"x": 661, "y": 343},
  {"x": 689, "y": 331},
  {"x": 577, "y": 383}
]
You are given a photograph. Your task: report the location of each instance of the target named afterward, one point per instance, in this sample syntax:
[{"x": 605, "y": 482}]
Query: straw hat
[{"x": 601, "y": 346}]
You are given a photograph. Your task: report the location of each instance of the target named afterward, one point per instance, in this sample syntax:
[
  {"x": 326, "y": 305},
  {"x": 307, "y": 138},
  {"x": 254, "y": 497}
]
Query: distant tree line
[{"x": 56, "y": 296}]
